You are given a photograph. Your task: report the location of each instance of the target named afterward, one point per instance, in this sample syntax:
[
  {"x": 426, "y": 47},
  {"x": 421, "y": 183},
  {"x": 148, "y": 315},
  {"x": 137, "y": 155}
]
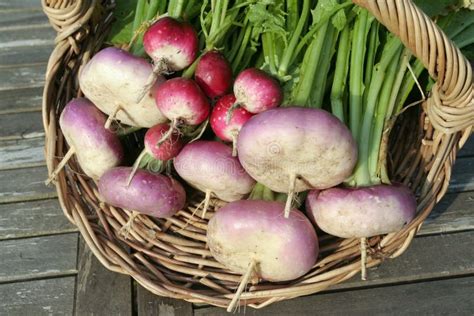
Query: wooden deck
[{"x": 45, "y": 267}]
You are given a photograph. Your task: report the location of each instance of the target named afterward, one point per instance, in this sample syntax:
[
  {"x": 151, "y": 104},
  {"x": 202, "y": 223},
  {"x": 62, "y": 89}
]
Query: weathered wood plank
[
  {"x": 23, "y": 4},
  {"x": 148, "y": 304},
  {"x": 463, "y": 175},
  {"x": 35, "y": 218},
  {"x": 455, "y": 212},
  {"x": 22, "y": 17},
  {"x": 28, "y": 185},
  {"x": 39, "y": 297},
  {"x": 468, "y": 149},
  {"x": 27, "y": 35},
  {"x": 20, "y": 100},
  {"x": 100, "y": 291},
  {"x": 21, "y": 125},
  {"x": 11, "y": 56},
  {"x": 443, "y": 297},
  {"x": 22, "y": 153},
  {"x": 31, "y": 76},
  {"x": 38, "y": 257}
]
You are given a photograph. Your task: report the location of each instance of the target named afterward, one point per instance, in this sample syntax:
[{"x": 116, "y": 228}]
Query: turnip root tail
[
  {"x": 207, "y": 199},
  {"x": 243, "y": 283},
  {"x": 111, "y": 117},
  {"x": 363, "y": 258},
  {"x": 160, "y": 67},
  {"x": 60, "y": 166},
  {"x": 135, "y": 166},
  {"x": 291, "y": 194},
  {"x": 234, "y": 144},
  {"x": 125, "y": 230}
]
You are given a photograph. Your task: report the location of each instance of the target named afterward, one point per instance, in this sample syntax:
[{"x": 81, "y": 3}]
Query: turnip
[
  {"x": 228, "y": 130},
  {"x": 113, "y": 79},
  {"x": 256, "y": 91},
  {"x": 183, "y": 102},
  {"x": 148, "y": 193},
  {"x": 253, "y": 238},
  {"x": 294, "y": 149},
  {"x": 156, "y": 154},
  {"x": 210, "y": 167},
  {"x": 173, "y": 46},
  {"x": 97, "y": 149},
  {"x": 213, "y": 74}
]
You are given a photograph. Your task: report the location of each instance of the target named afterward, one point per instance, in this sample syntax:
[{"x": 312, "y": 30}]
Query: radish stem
[{"x": 60, "y": 165}]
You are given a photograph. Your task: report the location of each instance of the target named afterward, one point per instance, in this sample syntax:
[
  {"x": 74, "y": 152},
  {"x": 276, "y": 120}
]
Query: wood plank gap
[
  {"x": 24, "y": 27},
  {"x": 21, "y": 110}
]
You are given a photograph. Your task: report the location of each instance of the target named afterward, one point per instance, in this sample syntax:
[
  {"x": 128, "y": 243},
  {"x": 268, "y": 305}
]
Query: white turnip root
[
  {"x": 225, "y": 129},
  {"x": 210, "y": 167},
  {"x": 213, "y": 74},
  {"x": 148, "y": 193},
  {"x": 97, "y": 149},
  {"x": 256, "y": 91},
  {"x": 252, "y": 237},
  {"x": 294, "y": 149},
  {"x": 113, "y": 79}
]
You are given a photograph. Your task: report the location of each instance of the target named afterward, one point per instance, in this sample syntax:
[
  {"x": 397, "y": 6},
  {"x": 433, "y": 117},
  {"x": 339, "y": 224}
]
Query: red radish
[
  {"x": 173, "y": 46},
  {"x": 228, "y": 130},
  {"x": 256, "y": 91},
  {"x": 209, "y": 166},
  {"x": 294, "y": 149},
  {"x": 252, "y": 237},
  {"x": 213, "y": 74},
  {"x": 156, "y": 152},
  {"x": 363, "y": 212},
  {"x": 183, "y": 102},
  {"x": 97, "y": 149},
  {"x": 166, "y": 150},
  {"x": 149, "y": 193},
  {"x": 113, "y": 79}
]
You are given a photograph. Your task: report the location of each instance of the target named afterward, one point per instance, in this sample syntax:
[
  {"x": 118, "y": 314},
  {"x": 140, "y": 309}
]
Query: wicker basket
[{"x": 170, "y": 257}]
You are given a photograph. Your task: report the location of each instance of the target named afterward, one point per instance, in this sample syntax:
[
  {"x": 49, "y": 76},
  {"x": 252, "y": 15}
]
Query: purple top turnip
[
  {"x": 363, "y": 212},
  {"x": 256, "y": 91},
  {"x": 171, "y": 43},
  {"x": 252, "y": 230},
  {"x": 182, "y": 101},
  {"x": 113, "y": 79},
  {"x": 294, "y": 149},
  {"x": 213, "y": 74},
  {"x": 97, "y": 149},
  {"x": 210, "y": 166},
  {"x": 149, "y": 193}
]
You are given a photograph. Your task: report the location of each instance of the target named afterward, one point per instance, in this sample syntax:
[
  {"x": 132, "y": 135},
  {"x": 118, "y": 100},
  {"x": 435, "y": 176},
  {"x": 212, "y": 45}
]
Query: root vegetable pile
[{"x": 305, "y": 92}]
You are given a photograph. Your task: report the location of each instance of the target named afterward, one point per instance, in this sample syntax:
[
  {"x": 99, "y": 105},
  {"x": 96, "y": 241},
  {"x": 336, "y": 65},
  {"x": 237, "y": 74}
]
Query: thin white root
[
  {"x": 125, "y": 230},
  {"x": 60, "y": 166},
  {"x": 168, "y": 133},
  {"x": 363, "y": 258},
  {"x": 160, "y": 67},
  {"x": 111, "y": 117},
  {"x": 207, "y": 200},
  {"x": 243, "y": 283},
  {"x": 291, "y": 193},
  {"x": 234, "y": 144},
  {"x": 136, "y": 164}
]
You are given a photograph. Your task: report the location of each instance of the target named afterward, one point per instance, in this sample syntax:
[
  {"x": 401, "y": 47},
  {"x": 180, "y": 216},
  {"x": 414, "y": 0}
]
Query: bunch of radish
[{"x": 269, "y": 139}]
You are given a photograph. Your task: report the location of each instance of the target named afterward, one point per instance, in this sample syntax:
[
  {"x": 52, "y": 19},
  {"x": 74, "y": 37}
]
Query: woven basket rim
[{"x": 173, "y": 261}]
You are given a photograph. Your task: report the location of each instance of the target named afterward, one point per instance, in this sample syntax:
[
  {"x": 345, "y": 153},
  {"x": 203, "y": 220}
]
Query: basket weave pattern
[{"x": 170, "y": 257}]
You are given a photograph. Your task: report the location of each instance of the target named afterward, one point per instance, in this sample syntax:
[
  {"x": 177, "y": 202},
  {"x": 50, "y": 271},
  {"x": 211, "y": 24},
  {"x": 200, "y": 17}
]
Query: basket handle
[{"x": 450, "y": 106}]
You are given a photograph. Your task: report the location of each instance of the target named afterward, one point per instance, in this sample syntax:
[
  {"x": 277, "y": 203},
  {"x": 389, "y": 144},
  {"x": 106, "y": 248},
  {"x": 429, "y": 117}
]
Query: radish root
[
  {"x": 291, "y": 194},
  {"x": 160, "y": 67},
  {"x": 136, "y": 164},
  {"x": 231, "y": 110},
  {"x": 60, "y": 166},
  {"x": 125, "y": 230},
  {"x": 363, "y": 258},
  {"x": 243, "y": 283},
  {"x": 169, "y": 132}
]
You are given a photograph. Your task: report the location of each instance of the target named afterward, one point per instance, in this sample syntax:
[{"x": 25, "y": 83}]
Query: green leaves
[
  {"x": 122, "y": 29},
  {"x": 437, "y": 7}
]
